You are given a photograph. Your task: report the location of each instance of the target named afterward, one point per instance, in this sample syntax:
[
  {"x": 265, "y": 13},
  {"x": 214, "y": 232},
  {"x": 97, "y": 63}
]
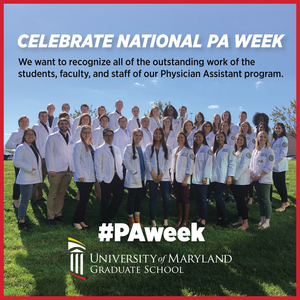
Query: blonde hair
[
  {"x": 268, "y": 143},
  {"x": 84, "y": 127}
]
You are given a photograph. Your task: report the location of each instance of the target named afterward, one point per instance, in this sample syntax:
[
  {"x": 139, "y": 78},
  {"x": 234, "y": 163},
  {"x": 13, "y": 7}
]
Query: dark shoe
[
  {"x": 224, "y": 223},
  {"x": 60, "y": 219},
  {"x": 23, "y": 226},
  {"x": 51, "y": 222},
  {"x": 219, "y": 222},
  {"x": 34, "y": 203},
  {"x": 43, "y": 199}
]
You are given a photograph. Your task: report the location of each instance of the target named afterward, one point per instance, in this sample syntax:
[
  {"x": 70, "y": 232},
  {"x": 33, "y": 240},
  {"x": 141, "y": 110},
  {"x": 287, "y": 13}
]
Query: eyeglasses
[{"x": 87, "y": 132}]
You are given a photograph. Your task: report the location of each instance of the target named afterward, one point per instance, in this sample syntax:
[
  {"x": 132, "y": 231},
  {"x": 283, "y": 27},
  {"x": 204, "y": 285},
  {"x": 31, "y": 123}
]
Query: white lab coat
[
  {"x": 184, "y": 164},
  {"x": 104, "y": 163},
  {"x": 175, "y": 124},
  {"x": 132, "y": 124},
  {"x": 133, "y": 177},
  {"x": 270, "y": 135},
  {"x": 25, "y": 160},
  {"x": 190, "y": 138},
  {"x": 55, "y": 122},
  {"x": 59, "y": 154},
  {"x": 153, "y": 123},
  {"x": 224, "y": 164},
  {"x": 98, "y": 137},
  {"x": 210, "y": 138},
  {"x": 172, "y": 140},
  {"x": 147, "y": 138},
  {"x": 75, "y": 124},
  {"x": 41, "y": 137},
  {"x": 113, "y": 120},
  {"x": 15, "y": 139},
  {"x": 280, "y": 148},
  {"x": 242, "y": 173},
  {"x": 121, "y": 140},
  {"x": 230, "y": 139},
  {"x": 263, "y": 161},
  {"x": 250, "y": 138},
  {"x": 179, "y": 122},
  {"x": 234, "y": 129},
  {"x": 163, "y": 164},
  {"x": 203, "y": 165},
  {"x": 76, "y": 136},
  {"x": 95, "y": 124},
  {"x": 83, "y": 162}
]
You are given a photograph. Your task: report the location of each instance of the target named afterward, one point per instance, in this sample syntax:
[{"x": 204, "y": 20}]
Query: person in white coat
[
  {"x": 147, "y": 134},
  {"x": 199, "y": 120},
  {"x": 28, "y": 159},
  {"x": 60, "y": 165},
  {"x": 96, "y": 121},
  {"x": 169, "y": 133},
  {"x": 226, "y": 116},
  {"x": 216, "y": 123},
  {"x": 134, "y": 122},
  {"x": 207, "y": 128},
  {"x": 171, "y": 112},
  {"x": 224, "y": 165},
  {"x": 158, "y": 158},
  {"x": 64, "y": 108},
  {"x": 135, "y": 179},
  {"x": 84, "y": 119},
  {"x": 280, "y": 148},
  {"x": 187, "y": 128},
  {"x": 264, "y": 127},
  {"x": 241, "y": 180},
  {"x": 50, "y": 110},
  {"x": 153, "y": 118},
  {"x": 114, "y": 116},
  {"x": 84, "y": 108},
  {"x": 12, "y": 143},
  {"x": 261, "y": 166},
  {"x": 109, "y": 173},
  {"x": 229, "y": 135},
  {"x": 121, "y": 136},
  {"x": 201, "y": 175},
  {"x": 98, "y": 132},
  {"x": 182, "y": 168},
  {"x": 182, "y": 117},
  {"x": 84, "y": 175}
]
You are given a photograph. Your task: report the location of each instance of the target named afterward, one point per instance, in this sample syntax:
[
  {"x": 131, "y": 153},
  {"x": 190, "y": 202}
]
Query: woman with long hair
[
  {"x": 169, "y": 133},
  {"x": 199, "y": 120},
  {"x": 85, "y": 119},
  {"x": 261, "y": 166},
  {"x": 187, "y": 128},
  {"x": 280, "y": 148},
  {"x": 101, "y": 111},
  {"x": 171, "y": 112},
  {"x": 226, "y": 116},
  {"x": 207, "y": 128},
  {"x": 153, "y": 118},
  {"x": 201, "y": 175},
  {"x": 216, "y": 123},
  {"x": 135, "y": 178},
  {"x": 158, "y": 156},
  {"x": 241, "y": 180},
  {"x": 182, "y": 168},
  {"x": 224, "y": 165},
  {"x": 264, "y": 127},
  {"x": 12, "y": 143},
  {"x": 229, "y": 135},
  {"x": 84, "y": 175},
  {"x": 28, "y": 160}
]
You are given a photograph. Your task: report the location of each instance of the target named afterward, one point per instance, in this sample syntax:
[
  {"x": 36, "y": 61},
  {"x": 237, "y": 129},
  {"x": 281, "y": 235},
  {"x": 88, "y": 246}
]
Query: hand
[
  {"x": 204, "y": 180},
  {"x": 160, "y": 176},
  {"x": 81, "y": 179},
  {"x": 229, "y": 180},
  {"x": 233, "y": 180},
  {"x": 184, "y": 182},
  {"x": 52, "y": 173},
  {"x": 33, "y": 170}
]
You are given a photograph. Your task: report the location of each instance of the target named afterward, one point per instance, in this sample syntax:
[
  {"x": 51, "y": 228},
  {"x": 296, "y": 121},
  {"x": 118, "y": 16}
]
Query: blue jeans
[
  {"x": 26, "y": 193},
  {"x": 199, "y": 194},
  {"x": 219, "y": 189},
  {"x": 164, "y": 186}
]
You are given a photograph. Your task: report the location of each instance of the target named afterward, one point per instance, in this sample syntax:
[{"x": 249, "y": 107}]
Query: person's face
[
  {"x": 220, "y": 138},
  {"x": 43, "y": 117},
  {"x": 261, "y": 128},
  {"x": 225, "y": 116},
  {"x": 138, "y": 136},
  {"x": 85, "y": 120},
  {"x": 278, "y": 130},
  {"x": 262, "y": 139},
  {"x": 84, "y": 110},
  {"x": 245, "y": 128},
  {"x": 123, "y": 123},
  {"x": 239, "y": 141},
  {"x": 180, "y": 140},
  {"x": 24, "y": 123},
  {"x": 243, "y": 117},
  {"x": 63, "y": 126},
  {"x": 155, "y": 113},
  {"x": 108, "y": 138},
  {"x": 29, "y": 137},
  {"x": 182, "y": 112},
  {"x": 207, "y": 129},
  {"x": 51, "y": 109},
  {"x": 225, "y": 127},
  {"x": 217, "y": 119},
  {"x": 199, "y": 118},
  {"x": 188, "y": 127},
  {"x": 119, "y": 105},
  {"x": 65, "y": 108},
  {"x": 101, "y": 111},
  {"x": 145, "y": 123},
  {"x": 136, "y": 112},
  {"x": 198, "y": 138},
  {"x": 104, "y": 122},
  {"x": 157, "y": 135},
  {"x": 261, "y": 119},
  {"x": 86, "y": 135},
  {"x": 167, "y": 123},
  {"x": 170, "y": 111}
]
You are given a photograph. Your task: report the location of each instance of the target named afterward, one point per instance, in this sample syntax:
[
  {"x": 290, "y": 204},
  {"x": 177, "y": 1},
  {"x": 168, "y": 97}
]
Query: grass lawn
[{"x": 263, "y": 263}]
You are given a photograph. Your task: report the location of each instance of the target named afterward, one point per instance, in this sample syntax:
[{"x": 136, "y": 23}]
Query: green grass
[{"x": 263, "y": 263}]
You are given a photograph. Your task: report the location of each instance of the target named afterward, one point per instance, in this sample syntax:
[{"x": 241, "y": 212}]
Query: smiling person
[
  {"x": 28, "y": 160},
  {"x": 182, "y": 168},
  {"x": 153, "y": 118},
  {"x": 261, "y": 165},
  {"x": 226, "y": 116},
  {"x": 264, "y": 127},
  {"x": 50, "y": 109},
  {"x": 98, "y": 132},
  {"x": 147, "y": 134},
  {"x": 171, "y": 112},
  {"x": 187, "y": 128},
  {"x": 84, "y": 108},
  {"x": 216, "y": 123},
  {"x": 199, "y": 120},
  {"x": 182, "y": 116},
  {"x": 158, "y": 158},
  {"x": 84, "y": 119},
  {"x": 229, "y": 136},
  {"x": 135, "y": 179},
  {"x": 114, "y": 116},
  {"x": 64, "y": 108},
  {"x": 101, "y": 111},
  {"x": 12, "y": 143},
  {"x": 209, "y": 134},
  {"x": 169, "y": 133},
  {"x": 134, "y": 122}
]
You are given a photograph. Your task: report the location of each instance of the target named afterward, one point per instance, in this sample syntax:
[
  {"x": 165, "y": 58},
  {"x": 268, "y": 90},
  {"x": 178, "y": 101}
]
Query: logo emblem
[
  {"x": 248, "y": 155},
  {"x": 284, "y": 144},
  {"x": 76, "y": 258},
  {"x": 271, "y": 157}
]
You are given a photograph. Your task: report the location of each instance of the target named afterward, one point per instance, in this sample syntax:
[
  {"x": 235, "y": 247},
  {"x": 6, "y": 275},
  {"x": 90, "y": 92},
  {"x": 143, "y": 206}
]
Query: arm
[
  {"x": 49, "y": 155},
  {"x": 98, "y": 162},
  {"x": 19, "y": 160},
  {"x": 244, "y": 165},
  {"x": 231, "y": 165},
  {"x": 77, "y": 161},
  {"x": 282, "y": 153},
  {"x": 13, "y": 141}
]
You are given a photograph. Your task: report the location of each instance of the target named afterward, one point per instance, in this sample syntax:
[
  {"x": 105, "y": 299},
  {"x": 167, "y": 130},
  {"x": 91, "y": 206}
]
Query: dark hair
[
  {"x": 244, "y": 144},
  {"x": 165, "y": 118},
  {"x": 120, "y": 118},
  {"x": 64, "y": 105},
  {"x": 83, "y": 105},
  {"x": 249, "y": 128},
  {"x": 103, "y": 116},
  {"x": 216, "y": 143},
  {"x": 242, "y": 112},
  {"x": 228, "y": 132},
  {"x": 134, "y": 156},
  {"x": 63, "y": 119},
  {"x": 98, "y": 115},
  {"x": 107, "y": 130},
  {"x": 175, "y": 113},
  {"x": 265, "y": 125},
  {"x": 195, "y": 146},
  {"x": 63, "y": 114},
  {"x": 186, "y": 144},
  {"x": 183, "y": 107},
  {"x": 202, "y": 116},
  {"x": 214, "y": 129},
  {"x": 229, "y": 118},
  {"x": 256, "y": 117},
  {"x": 42, "y": 112},
  {"x": 82, "y": 116},
  {"x": 33, "y": 144},
  {"x": 162, "y": 141},
  {"x": 283, "y": 133},
  {"x": 183, "y": 126},
  {"x": 206, "y": 122}
]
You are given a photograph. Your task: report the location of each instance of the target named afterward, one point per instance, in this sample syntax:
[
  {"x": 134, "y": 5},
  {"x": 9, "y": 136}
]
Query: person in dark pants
[
  {"x": 84, "y": 173},
  {"x": 109, "y": 173}
]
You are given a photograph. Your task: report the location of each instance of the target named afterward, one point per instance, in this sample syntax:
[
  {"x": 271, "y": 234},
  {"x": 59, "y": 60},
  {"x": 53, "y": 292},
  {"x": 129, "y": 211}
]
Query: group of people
[{"x": 110, "y": 152}]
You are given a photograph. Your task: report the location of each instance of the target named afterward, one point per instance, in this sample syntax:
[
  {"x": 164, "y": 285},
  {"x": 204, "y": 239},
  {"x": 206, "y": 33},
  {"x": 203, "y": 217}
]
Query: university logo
[{"x": 76, "y": 257}]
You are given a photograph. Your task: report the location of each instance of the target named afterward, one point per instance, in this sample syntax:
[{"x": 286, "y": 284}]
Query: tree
[
  {"x": 92, "y": 112},
  {"x": 287, "y": 116},
  {"x": 160, "y": 106}
]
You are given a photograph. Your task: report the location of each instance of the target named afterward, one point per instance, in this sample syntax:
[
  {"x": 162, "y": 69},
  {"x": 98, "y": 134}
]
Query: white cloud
[
  {"x": 6, "y": 133},
  {"x": 139, "y": 84},
  {"x": 258, "y": 83},
  {"x": 154, "y": 81},
  {"x": 213, "y": 106},
  {"x": 240, "y": 108},
  {"x": 151, "y": 102}
]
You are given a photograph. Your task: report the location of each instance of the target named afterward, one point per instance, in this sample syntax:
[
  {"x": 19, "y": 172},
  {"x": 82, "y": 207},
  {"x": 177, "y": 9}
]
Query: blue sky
[{"x": 30, "y": 95}]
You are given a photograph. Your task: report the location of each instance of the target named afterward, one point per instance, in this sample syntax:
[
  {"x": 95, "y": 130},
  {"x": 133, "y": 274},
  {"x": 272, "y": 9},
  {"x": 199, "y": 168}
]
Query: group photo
[{"x": 159, "y": 153}]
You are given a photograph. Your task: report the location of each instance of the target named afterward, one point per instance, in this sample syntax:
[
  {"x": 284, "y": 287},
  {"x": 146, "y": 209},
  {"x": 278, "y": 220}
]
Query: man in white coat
[
  {"x": 84, "y": 108},
  {"x": 108, "y": 166},
  {"x": 42, "y": 132},
  {"x": 98, "y": 132},
  {"x": 60, "y": 165},
  {"x": 114, "y": 116},
  {"x": 182, "y": 117},
  {"x": 147, "y": 134},
  {"x": 64, "y": 108},
  {"x": 51, "y": 109},
  {"x": 134, "y": 122}
]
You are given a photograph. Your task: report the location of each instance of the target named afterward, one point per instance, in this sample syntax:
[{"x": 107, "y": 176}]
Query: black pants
[
  {"x": 85, "y": 189},
  {"x": 279, "y": 183},
  {"x": 16, "y": 188},
  {"x": 115, "y": 187},
  {"x": 135, "y": 197},
  {"x": 239, "y": 194}
]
